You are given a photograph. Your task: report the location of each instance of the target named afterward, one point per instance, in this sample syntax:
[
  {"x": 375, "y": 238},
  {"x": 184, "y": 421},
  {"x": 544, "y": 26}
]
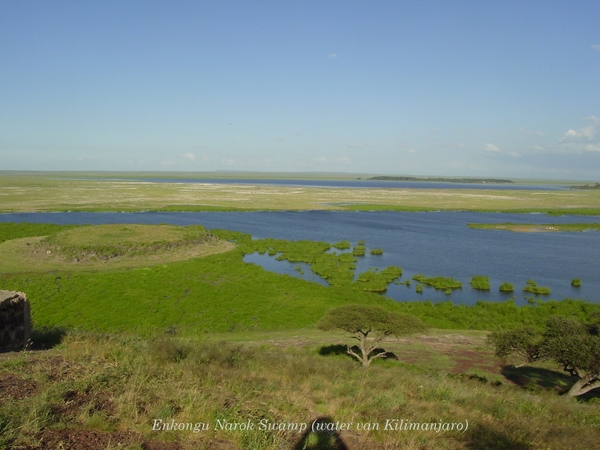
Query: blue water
[
  {"x": 434, "y": 244},
  {"x": 355, "y": 183}
]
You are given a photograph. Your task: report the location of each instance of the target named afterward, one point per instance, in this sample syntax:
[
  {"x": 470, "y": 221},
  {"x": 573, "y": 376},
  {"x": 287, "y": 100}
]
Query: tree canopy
[
  {"x": 369, "y": 325},
  {"x": 573, "y": 345}
]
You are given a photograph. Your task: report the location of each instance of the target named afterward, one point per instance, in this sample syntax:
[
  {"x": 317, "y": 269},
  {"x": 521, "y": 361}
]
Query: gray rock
[{"x": 15, "y": 321}]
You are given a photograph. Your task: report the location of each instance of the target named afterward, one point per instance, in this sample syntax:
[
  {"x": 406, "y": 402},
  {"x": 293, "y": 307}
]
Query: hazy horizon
[{"x": 431, "y": 89}]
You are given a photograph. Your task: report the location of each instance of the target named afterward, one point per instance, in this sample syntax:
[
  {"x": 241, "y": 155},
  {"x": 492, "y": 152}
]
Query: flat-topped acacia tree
[{"x": 369, "y": 325}]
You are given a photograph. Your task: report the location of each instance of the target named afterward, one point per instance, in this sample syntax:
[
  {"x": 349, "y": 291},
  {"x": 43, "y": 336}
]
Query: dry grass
[{"x": 44, "y": 193}]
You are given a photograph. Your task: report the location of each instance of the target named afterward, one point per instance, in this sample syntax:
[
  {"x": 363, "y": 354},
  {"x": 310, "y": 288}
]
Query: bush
[{"x": 506, "y": 287}]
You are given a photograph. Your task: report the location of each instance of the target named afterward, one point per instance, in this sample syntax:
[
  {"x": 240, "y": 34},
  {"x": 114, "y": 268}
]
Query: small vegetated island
[
  {"x": 444, "y": 180},
  {"x": 536, "y": 227}
]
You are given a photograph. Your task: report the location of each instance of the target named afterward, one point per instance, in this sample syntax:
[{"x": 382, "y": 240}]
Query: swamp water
[{"x": 432, "y": 243}]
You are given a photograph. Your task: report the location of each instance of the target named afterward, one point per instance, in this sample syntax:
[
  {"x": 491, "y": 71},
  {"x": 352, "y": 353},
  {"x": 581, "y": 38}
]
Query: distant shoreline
[{"x": 444, "y": 180}]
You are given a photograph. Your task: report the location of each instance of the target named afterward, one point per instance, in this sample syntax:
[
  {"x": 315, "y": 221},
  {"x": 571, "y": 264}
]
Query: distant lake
[
  {"x": 432, "y": 243},
  {"x": 363, "y": 183}
]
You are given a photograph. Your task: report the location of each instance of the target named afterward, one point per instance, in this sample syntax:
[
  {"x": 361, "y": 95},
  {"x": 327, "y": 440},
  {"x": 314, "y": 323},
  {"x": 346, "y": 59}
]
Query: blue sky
[{"x": 461, "y": 88}]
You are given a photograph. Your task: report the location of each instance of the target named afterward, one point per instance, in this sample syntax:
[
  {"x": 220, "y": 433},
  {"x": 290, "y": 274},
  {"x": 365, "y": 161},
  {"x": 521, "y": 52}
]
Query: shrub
[{"x": 507, "y": 287}]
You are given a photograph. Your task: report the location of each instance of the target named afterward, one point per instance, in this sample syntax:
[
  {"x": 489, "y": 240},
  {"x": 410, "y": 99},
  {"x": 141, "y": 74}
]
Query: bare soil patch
[{"x": 15, "y": 387}]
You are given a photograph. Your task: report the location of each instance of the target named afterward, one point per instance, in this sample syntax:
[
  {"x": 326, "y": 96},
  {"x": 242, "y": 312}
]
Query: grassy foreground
[{"x": 98, "y": 391}]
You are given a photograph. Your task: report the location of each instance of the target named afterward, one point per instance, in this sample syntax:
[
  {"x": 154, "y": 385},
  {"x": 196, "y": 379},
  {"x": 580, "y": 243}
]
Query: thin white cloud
[
  {"x": 596, "y": 47},
  {"x": 491, "y": 148},
  {"x": 537, "y": 148},
  {"x": 355, "y": 145},
  {"x": 168, "y": 162},
  {"x": 201, "y": 147},
  {"x": 339, "y": 160},
  {"x": 514, "y": 154},
  {"x": 412, "y": 150},
  {"x": 332, "y": 56},
  {"x": 535, "y": 133},
  {"x": 189, "y": 156}
]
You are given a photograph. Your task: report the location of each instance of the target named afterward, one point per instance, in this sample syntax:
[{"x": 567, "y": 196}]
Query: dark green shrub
[{"x": 576, "y": 282}]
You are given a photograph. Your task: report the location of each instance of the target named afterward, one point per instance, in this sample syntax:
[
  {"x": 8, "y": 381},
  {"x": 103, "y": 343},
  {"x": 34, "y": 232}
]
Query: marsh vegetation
[{"x": 532, "y": 286}]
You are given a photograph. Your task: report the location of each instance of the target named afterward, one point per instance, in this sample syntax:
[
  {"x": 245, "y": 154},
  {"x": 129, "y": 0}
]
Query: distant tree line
[{"x": 587, "y": 186}]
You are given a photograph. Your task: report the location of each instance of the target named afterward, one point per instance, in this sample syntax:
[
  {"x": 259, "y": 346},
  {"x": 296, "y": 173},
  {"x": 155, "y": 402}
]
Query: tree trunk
[{"x": 583, "y": 385}]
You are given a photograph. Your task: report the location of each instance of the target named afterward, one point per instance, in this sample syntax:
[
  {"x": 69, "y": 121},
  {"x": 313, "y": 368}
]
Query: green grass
[
  {"x": 220, "y": 292},
  {"x": 480, "y": 282},
  {"x": 109, "y": 241},
  {"x": 377, "y": 280},
  {"x": 441, "y": 283},
  {"x": 507, "y": 287},
  {"x": 359, "y": 250},
  {"x": 495, "y": 315},
  {"x": 576, "y": 282},
  {"x": 11, "y": 230},
  {"x": 531, "y": 286},
  {"x": 376, "y": 251}
]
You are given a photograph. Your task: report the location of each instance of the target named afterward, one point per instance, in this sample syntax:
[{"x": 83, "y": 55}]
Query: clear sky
[{"x": 463, "y": 88}]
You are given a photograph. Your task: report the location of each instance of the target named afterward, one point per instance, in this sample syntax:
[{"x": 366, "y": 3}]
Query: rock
[{"x": 15, "y": 321}]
